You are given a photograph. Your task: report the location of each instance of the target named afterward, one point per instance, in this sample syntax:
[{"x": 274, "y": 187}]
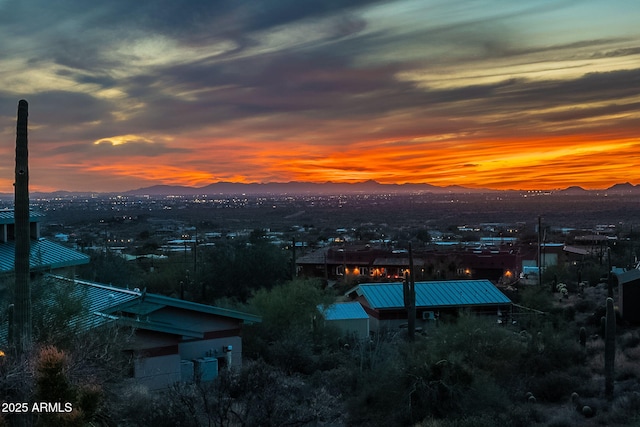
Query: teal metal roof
[
  {"x": 344, "y": 311},
  {"x": 629, "y": 276},
  {"x": 105, "y": 303},
  {"x": 133, "y": 307},
  {"x": 44, "y": 255},
  {"x": 154, "y": 302},
  {"x": 7, "y": 216},
  {"x": 460, "y": 293},
  {"x": 96, "y": 299}
]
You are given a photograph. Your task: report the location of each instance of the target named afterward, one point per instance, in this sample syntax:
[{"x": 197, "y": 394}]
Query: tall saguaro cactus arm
[{"x": 22, "y": 305}]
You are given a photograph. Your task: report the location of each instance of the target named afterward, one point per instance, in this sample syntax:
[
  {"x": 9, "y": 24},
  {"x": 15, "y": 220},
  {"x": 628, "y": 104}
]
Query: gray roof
[
  {"x": 44, "y": 255},
  {"x": 452, "y": 293}
]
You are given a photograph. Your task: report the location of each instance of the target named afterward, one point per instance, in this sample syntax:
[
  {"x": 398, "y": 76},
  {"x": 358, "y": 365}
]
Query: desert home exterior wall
[
  {"x": 173, "y": 340},
  {"x": 157, "y": 372},
  {"x": 349, "y": 317},
  {"x": 629, "y": 295}
]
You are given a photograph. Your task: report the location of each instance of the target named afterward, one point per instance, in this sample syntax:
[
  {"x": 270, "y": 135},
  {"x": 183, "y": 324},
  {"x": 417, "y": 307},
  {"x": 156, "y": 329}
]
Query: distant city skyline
[{"x": 495, "y": 94}]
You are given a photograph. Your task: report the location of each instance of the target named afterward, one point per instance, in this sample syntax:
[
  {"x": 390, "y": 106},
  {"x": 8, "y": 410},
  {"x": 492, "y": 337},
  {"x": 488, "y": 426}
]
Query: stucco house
[{"x": 173, "y": 340}]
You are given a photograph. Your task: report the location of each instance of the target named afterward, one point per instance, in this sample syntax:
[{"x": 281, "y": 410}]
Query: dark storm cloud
[
  {"x": 73, "y": 21},
  {"x": 54, "y": 108},
  {"x": 320, "y": 80},
  {"x": 111, "y": 148},
  {"x": 322, "y": 88}
]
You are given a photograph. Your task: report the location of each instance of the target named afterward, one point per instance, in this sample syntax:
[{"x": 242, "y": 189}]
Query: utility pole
[
  {"x": 539, "y": 250},
  {"x": 293, "y": 259},
  {"x": 609, "y": 275}
]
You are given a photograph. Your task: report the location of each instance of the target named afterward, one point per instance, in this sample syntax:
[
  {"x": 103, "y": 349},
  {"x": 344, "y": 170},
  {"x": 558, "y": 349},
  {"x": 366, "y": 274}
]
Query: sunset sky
[{"x": 502, "y": 94}]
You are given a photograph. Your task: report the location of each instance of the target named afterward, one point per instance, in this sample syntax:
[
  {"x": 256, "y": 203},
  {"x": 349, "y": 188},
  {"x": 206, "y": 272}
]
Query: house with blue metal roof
[
  {"x": 384, "y": 302},
  {"x": 349, "y": 317},
  {"x": 173, "y": 340},
  {"x": 45, "y": 255}
]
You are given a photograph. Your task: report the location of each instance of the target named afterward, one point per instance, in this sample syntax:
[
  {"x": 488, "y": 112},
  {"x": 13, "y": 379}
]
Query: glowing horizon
[{"x": 505, "y": 96}]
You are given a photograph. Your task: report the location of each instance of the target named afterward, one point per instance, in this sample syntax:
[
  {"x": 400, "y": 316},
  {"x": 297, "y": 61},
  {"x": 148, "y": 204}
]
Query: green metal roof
[
  {"x": 44, "y": 254},
  {"x": 452, "y": 293}
]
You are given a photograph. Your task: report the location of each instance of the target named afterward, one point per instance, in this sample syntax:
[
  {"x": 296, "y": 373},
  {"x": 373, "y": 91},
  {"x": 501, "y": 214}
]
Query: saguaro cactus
[
  {"x": 609, "y": 348},
  {"x": 409, "y": 291},
  {"x": 22, "y": 306},
  {"x": 583, "y": 337}
]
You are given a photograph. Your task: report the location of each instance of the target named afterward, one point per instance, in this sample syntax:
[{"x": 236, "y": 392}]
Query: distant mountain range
[
  {"x": 625, "y": 188},
  {"x": 366, "y": 187},
  {"x": 296, "y": 187},
  {"x": 299, "y": 188}
]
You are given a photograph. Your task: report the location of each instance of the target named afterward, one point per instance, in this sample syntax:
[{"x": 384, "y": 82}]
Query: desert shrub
[
  {"x": 551, "y": 349},
  {"x": 628, "y": 340},
  {"x": 514, "y": 416},
  {"x": 585, "y": 306},
  {"x": 535, "y": 297},
  {"x": 480, "y": 343},
  {"x": 51, "y": 375},
  {"x": 342, "y": 380},
  {"x": 587, "y": 386},
  {"x": 292, "y": 353},
  {"x": 554, "y": 386},
  {"x": 255, "y": 395},
  {"x": 632, "y": 353},
  {"x": 521, "y": 416},
  {"x": 625, "y": 369},
  {"x": 625, "y": 409},
  {"x": 380, "y": 398},
  {"x": 569, "y": 313},
  {"x": 268, "y": 396},
  {"x": 485, "y": 396},
  {"x": 53, "y": 385},
  {"x": 135, "y": 406},
  {"x": 438, "y": 388},
  {"x": 565, "y": 420}
]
